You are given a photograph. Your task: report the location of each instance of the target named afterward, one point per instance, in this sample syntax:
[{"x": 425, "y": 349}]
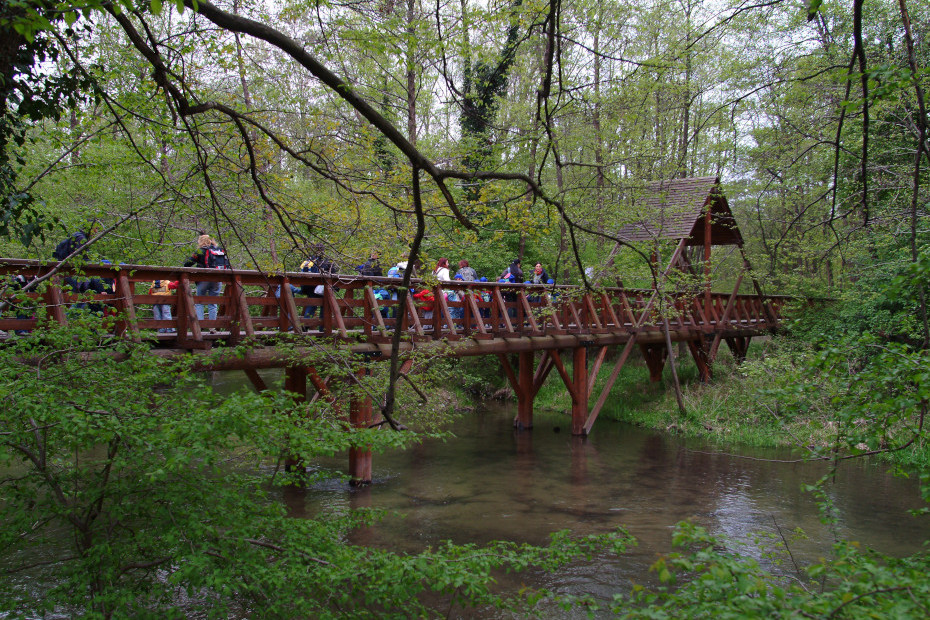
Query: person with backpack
[
  {"x": 468, "y": 273},
  {"x": 208, "y": 256},
  {"x": 317, "y": 263},
  {"x": 68, "y": 246},
  {"x": 371, "y": 267},
  {"x": 513, "y": 273},
  {"x": 162, "y": 312},
  {"x": 71, "y": 244}
]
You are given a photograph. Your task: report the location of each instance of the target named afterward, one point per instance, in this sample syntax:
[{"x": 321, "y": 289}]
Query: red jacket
[{"x": 426, "y": 299}]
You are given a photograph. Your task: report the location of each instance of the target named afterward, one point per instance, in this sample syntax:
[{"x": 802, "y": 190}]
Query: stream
[{"x": 490, "y": 482}]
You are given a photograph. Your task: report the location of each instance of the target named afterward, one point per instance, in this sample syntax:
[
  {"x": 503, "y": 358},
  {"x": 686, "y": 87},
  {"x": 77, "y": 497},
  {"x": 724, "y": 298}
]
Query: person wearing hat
[{"x": 514, "y": 272}]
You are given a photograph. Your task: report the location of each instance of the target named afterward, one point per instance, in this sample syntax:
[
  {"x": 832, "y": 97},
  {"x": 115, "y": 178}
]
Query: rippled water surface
[{"x": 491, "y": 482}]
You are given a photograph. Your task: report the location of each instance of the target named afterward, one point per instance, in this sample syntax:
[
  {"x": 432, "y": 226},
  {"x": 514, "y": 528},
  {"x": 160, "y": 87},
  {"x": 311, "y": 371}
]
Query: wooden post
[
  {"x": 655, "y": 355},
  {"x": 295, "y": 380},
  {"x": 580, "y": 384},
  {"x": 360, "y": 416},
  {"x": 55, "y": 302},
  {"x": 699, "y": 351},
  {"x": 707, "y": 241},
  {"x": 738, "y": 346},
  {"x": 526, "y": 393}
]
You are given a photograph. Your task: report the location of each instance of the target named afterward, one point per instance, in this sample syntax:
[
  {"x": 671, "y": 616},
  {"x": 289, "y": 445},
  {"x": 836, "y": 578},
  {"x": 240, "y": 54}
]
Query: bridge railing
[{"x": 255, "y": 304}]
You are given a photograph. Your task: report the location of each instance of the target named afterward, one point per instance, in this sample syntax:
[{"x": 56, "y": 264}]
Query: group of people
[
  {"x": 442, "y": 271},
  {"x": 209, "y": 255}
]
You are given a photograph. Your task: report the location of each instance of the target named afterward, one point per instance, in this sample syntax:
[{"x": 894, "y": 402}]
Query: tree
[{"x": 132, "y": 488}]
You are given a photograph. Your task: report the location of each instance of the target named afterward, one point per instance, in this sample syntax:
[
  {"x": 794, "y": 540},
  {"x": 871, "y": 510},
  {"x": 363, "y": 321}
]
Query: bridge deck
[
  {"x": 363, "y": 315},
  {"x": 478, "y": 318}
]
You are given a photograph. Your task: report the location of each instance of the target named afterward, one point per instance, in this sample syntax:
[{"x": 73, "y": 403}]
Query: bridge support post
[
  {"x": 738, "y": 347},
  {"x": 655, "y": 356},
  {"x": 295, "y": 381},
  {"x": 579, "y": 390},
  {"x": 360, "y": 416},
  {"x": 526, "y": 393},
  {"x": 700, "y": 353}
]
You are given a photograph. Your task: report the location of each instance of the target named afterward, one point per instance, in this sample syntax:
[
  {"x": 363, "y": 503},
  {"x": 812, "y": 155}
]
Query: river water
[{"x": 491, "y": 482}]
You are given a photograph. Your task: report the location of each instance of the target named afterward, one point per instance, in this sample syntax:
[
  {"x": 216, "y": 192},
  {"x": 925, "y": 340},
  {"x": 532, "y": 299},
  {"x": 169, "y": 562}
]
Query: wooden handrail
[{"x": 261, "y": 304}]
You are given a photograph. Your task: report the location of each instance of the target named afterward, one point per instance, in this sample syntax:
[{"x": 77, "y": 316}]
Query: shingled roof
[{"x": 675, "y": 209}]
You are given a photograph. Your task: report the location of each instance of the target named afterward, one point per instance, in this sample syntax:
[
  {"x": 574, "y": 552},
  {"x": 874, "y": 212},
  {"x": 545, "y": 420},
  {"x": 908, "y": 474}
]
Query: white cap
[{"x": 402, "y": 264}]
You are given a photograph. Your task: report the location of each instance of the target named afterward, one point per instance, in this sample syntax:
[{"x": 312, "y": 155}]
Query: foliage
[
  {"x": 708, "y": 581},
  {"x": 130, "y": 488}
]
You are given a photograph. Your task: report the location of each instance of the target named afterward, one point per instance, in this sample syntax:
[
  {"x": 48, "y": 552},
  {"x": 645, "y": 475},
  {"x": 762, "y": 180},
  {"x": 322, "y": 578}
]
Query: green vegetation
[
  {"x": 472, "y": 130},
  {"x": 131, "y": 489}
]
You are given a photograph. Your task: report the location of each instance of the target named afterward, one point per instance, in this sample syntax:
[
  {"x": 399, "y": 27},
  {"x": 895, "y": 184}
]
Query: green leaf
[{"x": 155, "y": 6}]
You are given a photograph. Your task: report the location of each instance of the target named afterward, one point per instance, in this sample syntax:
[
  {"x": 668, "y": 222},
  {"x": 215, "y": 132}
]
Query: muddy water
[{"x": 490, "y": 482}]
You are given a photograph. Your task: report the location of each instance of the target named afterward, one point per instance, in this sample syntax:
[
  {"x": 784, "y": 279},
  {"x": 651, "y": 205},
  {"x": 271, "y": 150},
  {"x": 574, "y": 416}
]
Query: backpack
[
  {"x": 64, "y": 249},
  {"x": 370, "y": 268},
  {"x": 215, "y": 258}
]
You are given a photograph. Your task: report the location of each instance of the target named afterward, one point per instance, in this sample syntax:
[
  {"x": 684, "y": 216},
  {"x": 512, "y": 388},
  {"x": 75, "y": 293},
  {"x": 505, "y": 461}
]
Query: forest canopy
[
  {"x": 478, "y": 130},
  {"x": 533, "y": 127}
]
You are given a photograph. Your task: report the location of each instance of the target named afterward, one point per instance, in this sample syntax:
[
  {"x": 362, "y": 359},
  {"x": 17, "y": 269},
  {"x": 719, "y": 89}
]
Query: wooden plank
[
  {"x": 596, "y": 410},
  {"x": 128, "y": 307},
  {"x": 722, "y": 323},
  {"x": 55, "y": 303},
  {"x": 443, "y": 310},
  {"x": 699, "y": 353},
  {"x": 554, "y": 313},
  {"x": 245, "y": 318},
  {"x": 375, "y": 309},
  {"x": 569, "y": 385},
  {"x": 187, "y": 314},
  {"x": 596, "y": 367},
  {"x": 503, "y": 310},
  {"x": 476, "y": 313},
  {"x": 334, "y": 310},
  {"x": 414, "y": 316},
  {"x": 542, "y": 371},
  {"x": 529, "y": 313},
  {"x": 545, "y": 359},
  {"x": 288, "y": 296},
  {"x": 609, "y": 309},
  {"x": 592, "y": 311},
  {"x": 526, "y": 395},
  {"x": 508, "y": 371},
  {"x": 321, "y": 386},
  {"x": 628, "y": 309},
  {"x": 256, "y": 379}
]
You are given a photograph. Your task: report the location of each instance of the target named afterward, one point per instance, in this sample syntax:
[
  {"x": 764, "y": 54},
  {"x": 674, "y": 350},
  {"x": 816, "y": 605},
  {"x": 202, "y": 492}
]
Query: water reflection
[{"x": 491, "y": 482}]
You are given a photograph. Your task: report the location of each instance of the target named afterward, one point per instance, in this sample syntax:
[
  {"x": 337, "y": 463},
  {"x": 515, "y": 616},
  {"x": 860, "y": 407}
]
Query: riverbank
[{"x": 743, "y": 405}]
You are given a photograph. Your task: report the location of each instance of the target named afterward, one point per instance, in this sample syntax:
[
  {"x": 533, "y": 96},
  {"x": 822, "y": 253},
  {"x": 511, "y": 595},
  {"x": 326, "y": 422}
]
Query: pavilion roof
[{"x": 675, "y": 209}]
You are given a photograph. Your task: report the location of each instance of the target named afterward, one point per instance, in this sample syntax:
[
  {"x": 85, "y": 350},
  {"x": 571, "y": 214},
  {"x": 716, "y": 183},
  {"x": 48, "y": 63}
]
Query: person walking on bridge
[
  {"x": 442, "y": 269},
  {"x": 468, "y": 273},
  {"x": 208, "y": 256}
]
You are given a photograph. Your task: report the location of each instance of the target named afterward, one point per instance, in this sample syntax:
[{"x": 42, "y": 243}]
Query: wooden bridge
[{"x": 534, "y": 324}]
